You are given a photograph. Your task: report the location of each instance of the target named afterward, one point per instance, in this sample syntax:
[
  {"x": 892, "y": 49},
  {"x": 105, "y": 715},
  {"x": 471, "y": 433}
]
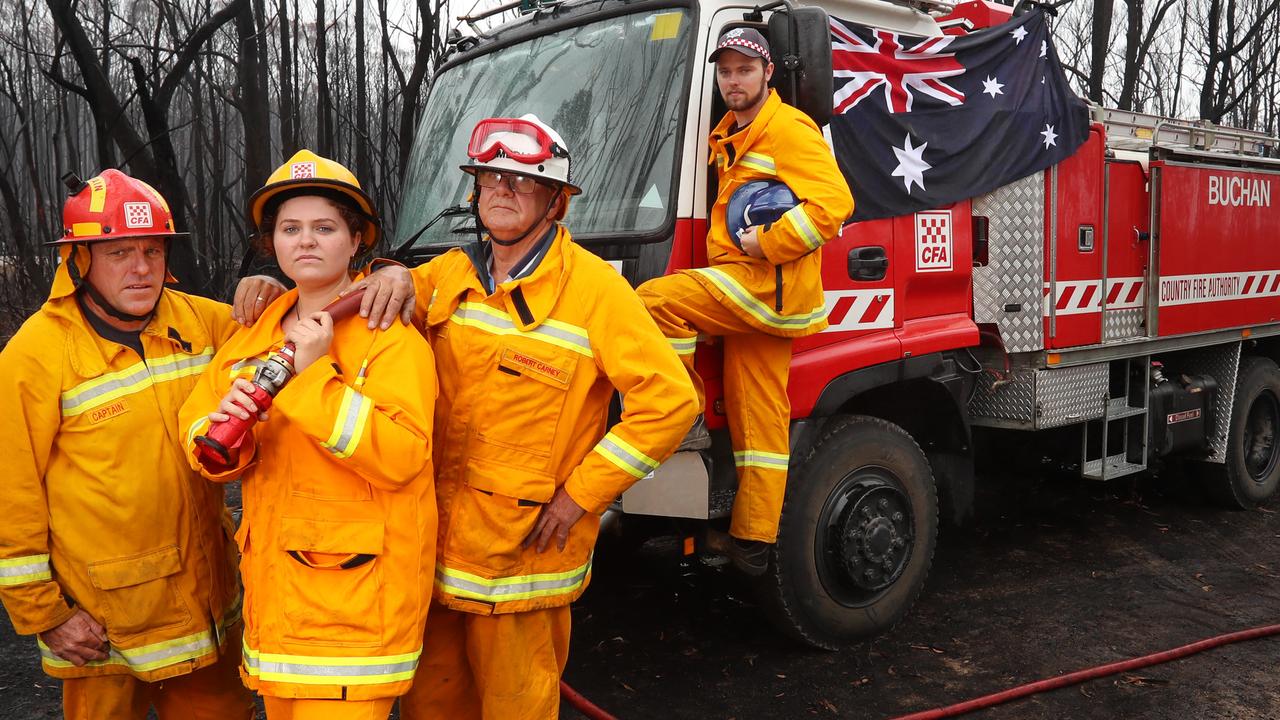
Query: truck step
[
  {"x": 1120, "y": 408},
  {"x": 1116, "y": 466}
]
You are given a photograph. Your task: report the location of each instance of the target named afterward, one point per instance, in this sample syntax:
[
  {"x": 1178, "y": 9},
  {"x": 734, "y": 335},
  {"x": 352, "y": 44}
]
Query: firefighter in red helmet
[{"x": 115, "y": 555}]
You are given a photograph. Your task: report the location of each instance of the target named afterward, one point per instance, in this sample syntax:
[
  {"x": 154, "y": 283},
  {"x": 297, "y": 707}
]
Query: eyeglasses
[
  {"x": 522, "y": 184},
  {"x": 518, "y": 139}
]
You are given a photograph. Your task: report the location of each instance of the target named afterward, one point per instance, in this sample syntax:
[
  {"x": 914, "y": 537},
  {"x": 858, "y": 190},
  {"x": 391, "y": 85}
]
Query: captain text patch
[{"x": 108, "y": 411}]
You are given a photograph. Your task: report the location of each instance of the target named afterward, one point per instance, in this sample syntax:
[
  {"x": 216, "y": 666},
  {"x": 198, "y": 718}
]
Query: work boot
[
  {"x": 697, "y": 438},
  {"x": 750, "y": 557}
]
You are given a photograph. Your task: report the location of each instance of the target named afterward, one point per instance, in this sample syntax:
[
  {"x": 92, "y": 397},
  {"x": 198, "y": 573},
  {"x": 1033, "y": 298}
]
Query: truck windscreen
[{"x": 614, "y": 89}]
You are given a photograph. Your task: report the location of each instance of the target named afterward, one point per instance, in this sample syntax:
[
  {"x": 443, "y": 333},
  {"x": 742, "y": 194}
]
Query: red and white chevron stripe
[
  {"x": 1079, "y": 297},
  {"x": 858, "y": 310}
]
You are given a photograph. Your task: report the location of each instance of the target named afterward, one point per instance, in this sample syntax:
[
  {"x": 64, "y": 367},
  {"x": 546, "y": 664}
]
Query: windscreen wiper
[{"x": 452, "y": 211}]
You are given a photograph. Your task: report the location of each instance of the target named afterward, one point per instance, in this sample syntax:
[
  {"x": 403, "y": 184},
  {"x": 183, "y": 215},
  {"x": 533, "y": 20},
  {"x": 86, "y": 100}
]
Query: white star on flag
[
  {"x": 911, "y": 164},
  {"x": 1050, "y": 137},
  {"x": 1018, "y": 35},
  {"x": 992, "y": 86},
  {"x": 1044, "y": 48}
]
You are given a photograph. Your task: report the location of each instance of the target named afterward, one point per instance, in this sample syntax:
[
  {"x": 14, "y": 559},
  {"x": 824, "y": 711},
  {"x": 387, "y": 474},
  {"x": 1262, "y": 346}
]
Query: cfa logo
[
  {"x": 933, "y": 241},
  {"x": 736, "y": 32},
  {"x": 137, "y": 215}
]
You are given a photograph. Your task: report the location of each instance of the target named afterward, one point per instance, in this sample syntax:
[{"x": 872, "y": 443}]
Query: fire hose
[
  {"x": 224, "y": 438},
  {"x": 1079, "y": 676},
  {"x": 589, "y": 710},
  {"x": 581, "y": 704}
]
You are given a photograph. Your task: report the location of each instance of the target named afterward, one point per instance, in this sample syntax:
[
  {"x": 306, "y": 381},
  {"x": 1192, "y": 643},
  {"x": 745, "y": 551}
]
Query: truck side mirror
[{"x": 801, "y": 42}]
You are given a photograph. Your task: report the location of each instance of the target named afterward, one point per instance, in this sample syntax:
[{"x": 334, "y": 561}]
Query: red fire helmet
[{"x": 114, "y": 206}]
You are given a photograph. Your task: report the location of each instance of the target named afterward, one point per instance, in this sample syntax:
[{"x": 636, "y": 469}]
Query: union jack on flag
[
  {"x": 923, "y": 122},
  {"x": 897, "y": 69}
]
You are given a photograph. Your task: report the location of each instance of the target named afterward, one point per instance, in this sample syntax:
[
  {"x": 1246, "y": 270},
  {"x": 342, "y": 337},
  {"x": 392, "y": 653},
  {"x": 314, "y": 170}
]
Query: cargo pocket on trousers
[
  {"x": 139, "y": 592},
  {"x": 330, "y": 592}
]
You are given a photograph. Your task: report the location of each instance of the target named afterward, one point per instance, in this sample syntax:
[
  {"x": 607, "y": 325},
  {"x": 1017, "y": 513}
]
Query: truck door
[
  {"x": 1073, "y": 249},
  {"x": 934, "y": 279},
  {"x": 1127, "y": 211}
]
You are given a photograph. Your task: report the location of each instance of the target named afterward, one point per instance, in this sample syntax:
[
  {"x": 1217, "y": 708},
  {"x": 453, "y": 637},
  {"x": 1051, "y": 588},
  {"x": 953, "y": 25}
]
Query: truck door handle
[{"x": 868, "y": 263}]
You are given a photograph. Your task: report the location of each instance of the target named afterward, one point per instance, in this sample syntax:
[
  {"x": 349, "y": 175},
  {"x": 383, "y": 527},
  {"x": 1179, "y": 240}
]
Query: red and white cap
[{"x": 747, "y": 41}]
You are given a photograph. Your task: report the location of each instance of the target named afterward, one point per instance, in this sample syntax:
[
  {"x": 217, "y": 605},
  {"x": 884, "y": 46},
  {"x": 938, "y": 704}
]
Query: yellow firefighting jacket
[
  {"x": 526, "y": 378},
  {"x": 780, "y": 294},
  {"x": 101, "y": 511},
  {"x": 337, "y": 540}
]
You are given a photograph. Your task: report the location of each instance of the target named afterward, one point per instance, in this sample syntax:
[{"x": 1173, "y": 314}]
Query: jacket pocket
[
  {"x": 523, "y": 484},
  {"x": 331, "y": 581},
  {"x": 515, "y": 423},
  {"x": 486, "y": 529},
  {"x": 777, "y": 291},
  {"x": 140, "y": 593}
]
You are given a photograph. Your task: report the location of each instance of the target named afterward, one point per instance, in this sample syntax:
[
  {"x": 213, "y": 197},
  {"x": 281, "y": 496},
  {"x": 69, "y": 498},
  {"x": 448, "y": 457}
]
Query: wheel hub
[
  {"x": 1260, "y": 436},
  {"x": 872, "y": 536}
]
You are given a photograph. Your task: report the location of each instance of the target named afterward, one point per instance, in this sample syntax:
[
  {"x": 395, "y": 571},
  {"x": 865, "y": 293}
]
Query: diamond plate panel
[
  {"x": 1123, "y": 324},
  {"x": 1014, "y": 274},
  {"x": 1222, "y": 363},
  {"x": 1066, "y": 396},
  {"x": 1011, "y": 404},
  {"x": 1039, "y": 399}
]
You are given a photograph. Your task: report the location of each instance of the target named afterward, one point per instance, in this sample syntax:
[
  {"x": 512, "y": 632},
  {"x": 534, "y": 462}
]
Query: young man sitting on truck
[{"x": 761, "y": 289}]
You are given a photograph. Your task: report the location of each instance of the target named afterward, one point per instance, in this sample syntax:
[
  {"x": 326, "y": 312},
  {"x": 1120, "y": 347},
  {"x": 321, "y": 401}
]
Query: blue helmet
[{"x": 759, "y": 202}]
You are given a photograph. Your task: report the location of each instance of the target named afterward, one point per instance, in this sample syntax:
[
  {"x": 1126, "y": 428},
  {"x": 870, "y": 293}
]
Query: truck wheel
[
  {"x": 1252, "y": 470},
  {"x": 855, "y": 543}
]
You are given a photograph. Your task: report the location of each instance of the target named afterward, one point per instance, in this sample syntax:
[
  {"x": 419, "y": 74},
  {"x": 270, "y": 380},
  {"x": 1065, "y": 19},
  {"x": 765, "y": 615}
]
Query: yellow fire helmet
[{"x": 306, "y": 173}]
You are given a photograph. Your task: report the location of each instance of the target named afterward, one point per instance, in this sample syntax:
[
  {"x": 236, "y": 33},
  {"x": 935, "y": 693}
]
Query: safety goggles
[
  {"x": 518, "y": 139},
  {"x": 522, "y": 184}
]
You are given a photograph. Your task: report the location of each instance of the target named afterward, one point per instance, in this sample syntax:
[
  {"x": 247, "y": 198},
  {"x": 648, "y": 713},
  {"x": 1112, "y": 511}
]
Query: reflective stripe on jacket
[
  {"x": 338, "y": 536},
  {"x": 526, "y": 378},
  {"x": 780, "y": 294},
  {"x": 101, "y": 511}
]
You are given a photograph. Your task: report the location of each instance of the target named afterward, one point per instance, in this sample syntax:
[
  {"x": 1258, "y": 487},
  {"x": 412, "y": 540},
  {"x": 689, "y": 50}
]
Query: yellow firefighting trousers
[
  {"x": 490, "y": 667},
  {"x": 213, "y": 692},
  {"x": 279, "y": 708},
  {"x": 756, "y": 366}
]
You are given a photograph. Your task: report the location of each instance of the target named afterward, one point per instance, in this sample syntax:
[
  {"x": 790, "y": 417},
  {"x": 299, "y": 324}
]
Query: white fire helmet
[{"x": 524, "y": 146}]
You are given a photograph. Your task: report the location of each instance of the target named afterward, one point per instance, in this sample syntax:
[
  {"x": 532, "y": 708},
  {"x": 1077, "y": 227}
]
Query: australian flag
[{"x": 924, "y": 122}]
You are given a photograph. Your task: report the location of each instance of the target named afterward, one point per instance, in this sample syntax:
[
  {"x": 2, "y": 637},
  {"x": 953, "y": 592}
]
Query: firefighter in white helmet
[
  {"x": 114, "y": 554},
  {"x": 532, "y": 336}
]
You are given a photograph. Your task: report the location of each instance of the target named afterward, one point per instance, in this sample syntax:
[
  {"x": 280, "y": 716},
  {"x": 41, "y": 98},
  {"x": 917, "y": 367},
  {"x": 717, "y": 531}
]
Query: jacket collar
[
  {"x": 722, "y": 133},
  {"x": 174, "y": 324},
  {"x": 527, "y": 299},
  {"x": 267, "y": 332}
]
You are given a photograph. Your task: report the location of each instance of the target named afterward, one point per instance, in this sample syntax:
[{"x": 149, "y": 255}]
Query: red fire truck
[{"x": 1130, "y": 292}]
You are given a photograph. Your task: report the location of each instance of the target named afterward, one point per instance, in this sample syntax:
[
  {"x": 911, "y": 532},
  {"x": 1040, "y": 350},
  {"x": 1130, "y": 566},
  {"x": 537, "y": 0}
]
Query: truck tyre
[
  {"x": 1251, "y": 472},
  {"x": 857, "y": 534}
]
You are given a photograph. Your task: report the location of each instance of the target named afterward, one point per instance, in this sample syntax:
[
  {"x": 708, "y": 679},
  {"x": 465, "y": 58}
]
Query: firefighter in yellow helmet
[
  {"x": 532, "y": 336},
  {"x": 762, "y": 288},
  {"x": 113, "y": 552},
  {"x": 338, "y": 537}
]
